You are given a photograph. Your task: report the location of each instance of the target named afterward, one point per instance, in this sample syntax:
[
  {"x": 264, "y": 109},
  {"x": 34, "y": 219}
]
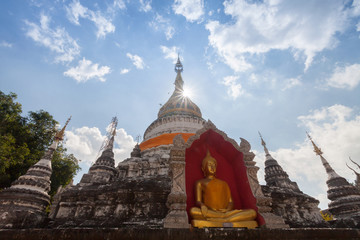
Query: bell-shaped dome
[
  {"x": 178, "y": 103},
  {"x": 179, "y": 115}
]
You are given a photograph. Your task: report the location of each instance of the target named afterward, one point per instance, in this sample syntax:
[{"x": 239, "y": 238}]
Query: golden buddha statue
[{"x": 215, "y": 207}]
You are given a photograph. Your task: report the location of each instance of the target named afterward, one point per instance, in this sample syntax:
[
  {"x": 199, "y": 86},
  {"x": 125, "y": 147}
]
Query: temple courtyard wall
[{"x": 177, "y": 234}]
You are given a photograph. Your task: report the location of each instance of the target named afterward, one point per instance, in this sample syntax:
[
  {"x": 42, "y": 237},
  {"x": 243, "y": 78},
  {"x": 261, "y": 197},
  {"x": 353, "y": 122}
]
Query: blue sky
[{"x": 278, "y": 67}]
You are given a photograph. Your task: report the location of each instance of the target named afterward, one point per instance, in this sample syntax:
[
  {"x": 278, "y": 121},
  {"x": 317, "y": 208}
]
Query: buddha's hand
[{"x": 204, "y": 210}]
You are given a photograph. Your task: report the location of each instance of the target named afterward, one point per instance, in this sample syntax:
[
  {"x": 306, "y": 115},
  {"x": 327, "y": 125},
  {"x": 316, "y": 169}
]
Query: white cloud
[
  {"x": 113, "y": 8},
  {"x": 119, "y": 4},
  {"x": 356, "y": 12},
  {"x": 6, "y": 44},
  {"x": 145, "y": 5},
  {"x": 124, "y": 71},
  {"x": 303, "y": 27},
  {"x": 159, "y": 23},
  {"x": 356, "y": 7},
  {"x": 104, "y": 26},
  {"x": 330, "y": 117},
  {"x": 192, "y": 10},
  {"x": 137, "y": 61},
  {"x": 170, "y": 53},
  {"x": 57, "y": 40},
  {"x": 125, "y": 144},
  {"x": 87, "y": 70},
  {"x": 336, "y": 130},
  {"x": 169, "y": 32},
  {"x": 234, "y": 88},
  {"x": 290, "y": 83},
  {"x": 76, "y": 10},
  {"x": 347, "y": 77},
  {"x": 85, "y": 143}
]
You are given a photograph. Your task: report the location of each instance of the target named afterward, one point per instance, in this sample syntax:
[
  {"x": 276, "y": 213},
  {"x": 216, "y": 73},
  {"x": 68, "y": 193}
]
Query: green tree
[
  {"x": 42, "y": 127},
  {"x": 13, "y": 134},
  {"x": 64, "y": 166},
  {"x": 23, "y": 141}
]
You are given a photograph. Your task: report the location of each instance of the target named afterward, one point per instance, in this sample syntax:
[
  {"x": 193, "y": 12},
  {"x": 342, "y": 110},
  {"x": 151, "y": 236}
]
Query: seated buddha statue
[{"x": 214, "y": 205}]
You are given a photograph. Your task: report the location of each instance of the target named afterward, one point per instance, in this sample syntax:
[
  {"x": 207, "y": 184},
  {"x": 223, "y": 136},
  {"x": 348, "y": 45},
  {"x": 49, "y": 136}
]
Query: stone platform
[{"x": 177, "y": 234}]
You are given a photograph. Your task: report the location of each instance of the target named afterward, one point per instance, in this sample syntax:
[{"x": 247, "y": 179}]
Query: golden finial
[
  {"x": 264, "y": 144},
  {"x": 317, "y": 150},
  {"x": 59, "y": 135}
]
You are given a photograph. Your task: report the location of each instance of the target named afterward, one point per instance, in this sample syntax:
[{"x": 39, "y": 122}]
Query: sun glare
[{"x": 187, "y": 93}]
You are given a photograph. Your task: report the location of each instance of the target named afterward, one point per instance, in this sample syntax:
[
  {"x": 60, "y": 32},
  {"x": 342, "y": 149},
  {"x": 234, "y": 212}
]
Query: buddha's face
[{"x": 210, "y": 168}]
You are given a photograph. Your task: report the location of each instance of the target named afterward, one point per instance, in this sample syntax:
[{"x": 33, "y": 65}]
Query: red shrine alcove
[{"x": 230, "y": 168}]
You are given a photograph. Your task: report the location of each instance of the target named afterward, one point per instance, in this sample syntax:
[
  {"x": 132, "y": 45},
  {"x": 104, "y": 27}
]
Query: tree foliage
[
  {"x": 23, "y": 141},
  {"x": 64, "y": 167}
]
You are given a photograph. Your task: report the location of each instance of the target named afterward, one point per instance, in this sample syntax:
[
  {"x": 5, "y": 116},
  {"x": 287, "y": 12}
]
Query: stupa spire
[
  {"x": 57, "y": 138},
  {"x": 103, "y": 169},
  {"x": 274, "y": 174},
  {"x": 179, "y": 115},
  {"x": 109, "y": 144},
  {"x": 42, "y": 170},
  {"x": 29, "y": 193},
  {"x": 329, "y": 170},
  {"x": 59, "y": 135},
  {"x": 178, "y": 104},
  {"x": 344, "y": 197},
  {"x": 179, "y": 83},
  {"x": 264, "y": 145},
  {"x": 288, "y": 200},
  {"x": 317, "y": 150},
  {"x": 178, "y": 66}
]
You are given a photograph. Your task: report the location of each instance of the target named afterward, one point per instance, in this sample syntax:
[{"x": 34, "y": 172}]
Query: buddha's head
[{"x": 209, "y": 165}]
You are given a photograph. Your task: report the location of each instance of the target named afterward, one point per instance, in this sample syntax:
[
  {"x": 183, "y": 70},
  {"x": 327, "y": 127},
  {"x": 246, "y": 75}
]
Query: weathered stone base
[
  {"x": 349, "y": 222},
  {"x": 125, "y": 202},
  {"x": 22, "y": 208},
  {"x": 274, "y": 221},
  {"x": 296, "y": 208},
  {"x": 176, "y": 219},
  {"x": 21, "y": 217},
  {"x": 177, "y": 234}
]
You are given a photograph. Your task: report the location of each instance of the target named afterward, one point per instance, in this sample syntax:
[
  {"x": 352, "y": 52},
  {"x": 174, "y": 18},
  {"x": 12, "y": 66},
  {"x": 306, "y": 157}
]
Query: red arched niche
[{"x": 230, "y": 168}]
